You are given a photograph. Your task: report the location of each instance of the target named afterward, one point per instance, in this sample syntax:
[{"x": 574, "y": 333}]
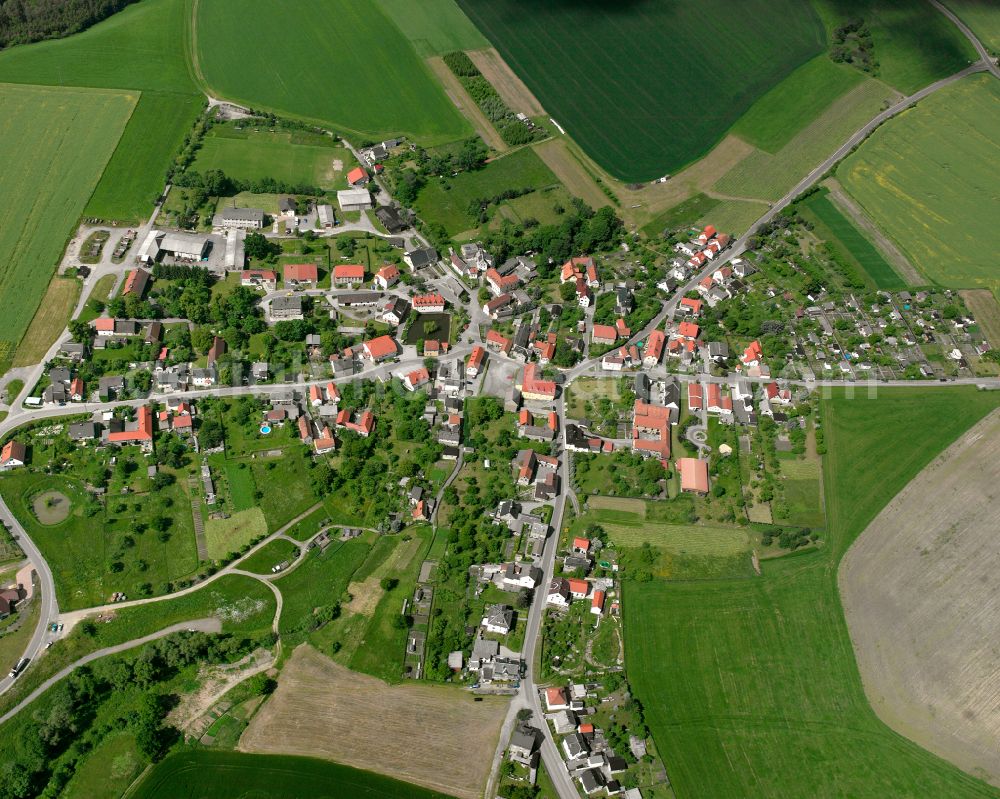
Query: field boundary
[{"x": 465, "y": 104}]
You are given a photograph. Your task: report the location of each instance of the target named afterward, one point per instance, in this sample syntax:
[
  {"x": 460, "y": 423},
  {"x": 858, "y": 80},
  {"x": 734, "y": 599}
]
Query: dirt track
[
  {"x": 919, "y": 588},
  {"x": 509, "y": 86},
  {"x": 432, "y": 735},
  {"x": 464, "y": 103}
]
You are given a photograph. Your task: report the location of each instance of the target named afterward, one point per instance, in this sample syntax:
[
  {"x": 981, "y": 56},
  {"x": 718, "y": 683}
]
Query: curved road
[
  {"x": 991, "y": 64},
  {"x": 203, "y": 625}
]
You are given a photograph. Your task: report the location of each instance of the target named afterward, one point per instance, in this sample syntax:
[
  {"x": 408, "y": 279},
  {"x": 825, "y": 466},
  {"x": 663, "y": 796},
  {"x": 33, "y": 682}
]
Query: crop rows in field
[
  {"x": 928, "y": 179},
  {"x": 649, "y": 87}
]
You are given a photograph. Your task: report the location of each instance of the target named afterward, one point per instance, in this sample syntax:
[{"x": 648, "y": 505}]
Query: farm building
[
  {"x": 235, "y": 256},
  {"x": 239, "y": 219},
  {"x": 421, "y": 257},
  {"x": 301, "y": 275},
  {"x": 325, "y": 214},
  {"x": 184, "y": 246},
  {"x": 354, "y": 199},
  {"x": 136, "y": 283}
]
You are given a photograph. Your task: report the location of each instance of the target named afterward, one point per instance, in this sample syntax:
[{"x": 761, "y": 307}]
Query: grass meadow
[
  {"x": 983, "y": 16},
  {"x": 62, "y": 138},
  {"x": 293, "y": 157},
  {"x": 913, "y": 46},
  {"x": 446, "y": 201},
  {"x": 81, "y": 549},
  {"x": 928, "y": 180},
  {"x": 832, "y": 226},
  {"x": 339, "y": 62},
  {"x": 691, "y": 69},
  {"x": 751, "y": 686},
  {"x": 232, "y": 775}
]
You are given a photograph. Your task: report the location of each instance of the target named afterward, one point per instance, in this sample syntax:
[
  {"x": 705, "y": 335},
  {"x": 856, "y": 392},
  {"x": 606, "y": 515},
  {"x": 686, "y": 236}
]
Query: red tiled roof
[
  {"x": 694, "y": 474},
  {"x": 348, "y": 272},
  {"x": 260, "y": 274},
  {"x": 691, "y": 303},
  {"x": 380, "y": 348},
  {"x": 582, "y": 544},
  {"x": 492, "y": 337},
  {"x": 604, "y": 333},
  {"x": 104, "y": 324},
  {"x": 428, "y": 301},
  {"x": 688, "y": 330},
  {"x": 143, "y": 430},
  {"x": 578, "y": 586},
  {"x": 476, "y": 358},
  {"x": 357, "y": 174},
  {"x": 388, "y": 273},
  {"x": 301, "y": 272},
  {"x": 532, "y": 384},
  {"x": 696, "y": 397}
]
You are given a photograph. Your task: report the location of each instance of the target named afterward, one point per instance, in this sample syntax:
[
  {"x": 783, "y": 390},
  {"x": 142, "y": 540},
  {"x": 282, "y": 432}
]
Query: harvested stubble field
[
  {"x": 919, "y": 592},
  {"x": 324, "y": 710}
]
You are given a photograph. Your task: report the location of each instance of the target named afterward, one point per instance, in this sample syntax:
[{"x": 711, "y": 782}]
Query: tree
[
  {"x": 567, "y": 291},
  {"x": 257, "y": 245},
  {"x": 80, "y": 330},
  {"x": 388, "y": 583}
]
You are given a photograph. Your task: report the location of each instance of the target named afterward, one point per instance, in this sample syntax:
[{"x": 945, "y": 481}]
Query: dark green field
[
  {"x": 648, "y": 87},
  {"x": 228, "y": 775},
  {"x": 843, "y": 234},
  {"x": 750, "y": 686}
]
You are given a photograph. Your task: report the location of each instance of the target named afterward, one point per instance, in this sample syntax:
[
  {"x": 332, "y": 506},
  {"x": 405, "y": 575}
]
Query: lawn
[
  {"x": 843, "y": 234},
  {"x": 983, "y": 16},
  {"x": 750, "y": 686},
  {"x": 913, "y": 46},
  {"x": 629, "y": 83},
  {"x": 110, "y": 768},
  {"x": 225, "y": 536},
  {"x": 298, "y": 158},
  {"x": 434, "y": 27},
  {"x": 64, "y": 138},
  {"x": 231, "y": 775},
  {"x": 241, "y": 486},
  {"x": 446, "y": 200},
  {"x": 928, "y": 179},
  {"x": 338, "y": 62}
]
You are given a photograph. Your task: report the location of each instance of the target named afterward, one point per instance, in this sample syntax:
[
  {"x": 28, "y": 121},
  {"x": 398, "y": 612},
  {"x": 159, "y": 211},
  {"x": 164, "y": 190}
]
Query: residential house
[
  {"x": 286, "y": 308},
  {"x": 138, "y": 432},
  {"x": 559, "y": 596},
  {"x": 386, "y": 277},
  {"x": 380, "y": 349},
  {"x": 493, "y": 307},
  {"x": 501, "y": 284},
  {"x": 391, "y": 219},
  {"x": 239, "y": 219},
  {"x": 135, "y": 283},
  {"x": 352, "y": 274},
  {"x": 498, "y": 343},
  {"x": 651, "y": 429},
  {"x": 475, "y": 362},
  {"x": 301, "y": 275},
  {"x": 417, "y": 378},
  {"x": 533, "y": 387},
  {"x": 357, "y": 177},
  {"x": 498, "y": 619},
  {"x": 13, "y": 455},
  {"x": 604, "y": 334},
  {"x": 556, "y": 699},
  {"x": 653, "y": 352},
  {"x": 266, "y": 279},
  {"x": 428, "y": 303},
  {"x": 420, "y": 257}
]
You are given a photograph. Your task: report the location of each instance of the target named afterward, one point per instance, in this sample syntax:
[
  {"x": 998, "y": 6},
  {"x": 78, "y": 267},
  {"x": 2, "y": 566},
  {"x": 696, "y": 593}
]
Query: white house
[{"x": 498, "y": 619}]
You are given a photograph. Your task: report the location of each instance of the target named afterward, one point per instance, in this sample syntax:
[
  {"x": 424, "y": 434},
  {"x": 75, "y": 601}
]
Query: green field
[
  {"x": 434, "y": 27},
  {"x": 750, "y": 686},
  {"x": 914, "y": 45},
  {"x": 340, "y": 62},
  {"x": 299, "y": 158},
  {"x": 775, "y": 118},
  {"x": 983, "y": 16},
  {"x": 57, "y": 143},
  {"x": 769, "y": 176},
  {"x": 646, "y": 88},
  {"x": 143, "y": 47},
  {"x": 152, "y": 136},
  {"x": 270, "y": 555},
  {"x": 928, "y": 179},
  {"x": 226, "y": 536},
  {"x": 446, "y": 201},
  {"x": 685, "y": 213},
  {"x": 843, "y": 234},
  {"x": 229, "y": 775}
]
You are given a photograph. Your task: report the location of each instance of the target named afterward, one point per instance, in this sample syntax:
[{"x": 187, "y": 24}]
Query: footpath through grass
[{"x": 750, "y": 686}]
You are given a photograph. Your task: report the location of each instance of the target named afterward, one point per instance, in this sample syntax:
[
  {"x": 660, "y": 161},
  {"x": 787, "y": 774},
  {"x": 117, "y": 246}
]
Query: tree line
[{"x": 24, "y": 21}]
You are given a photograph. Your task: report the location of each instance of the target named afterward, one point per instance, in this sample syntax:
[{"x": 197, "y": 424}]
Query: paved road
[
  {"x": 46, "y": 590},
  {"x": 204, "y": 625},
  {"x": 983, "y": 52}
]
